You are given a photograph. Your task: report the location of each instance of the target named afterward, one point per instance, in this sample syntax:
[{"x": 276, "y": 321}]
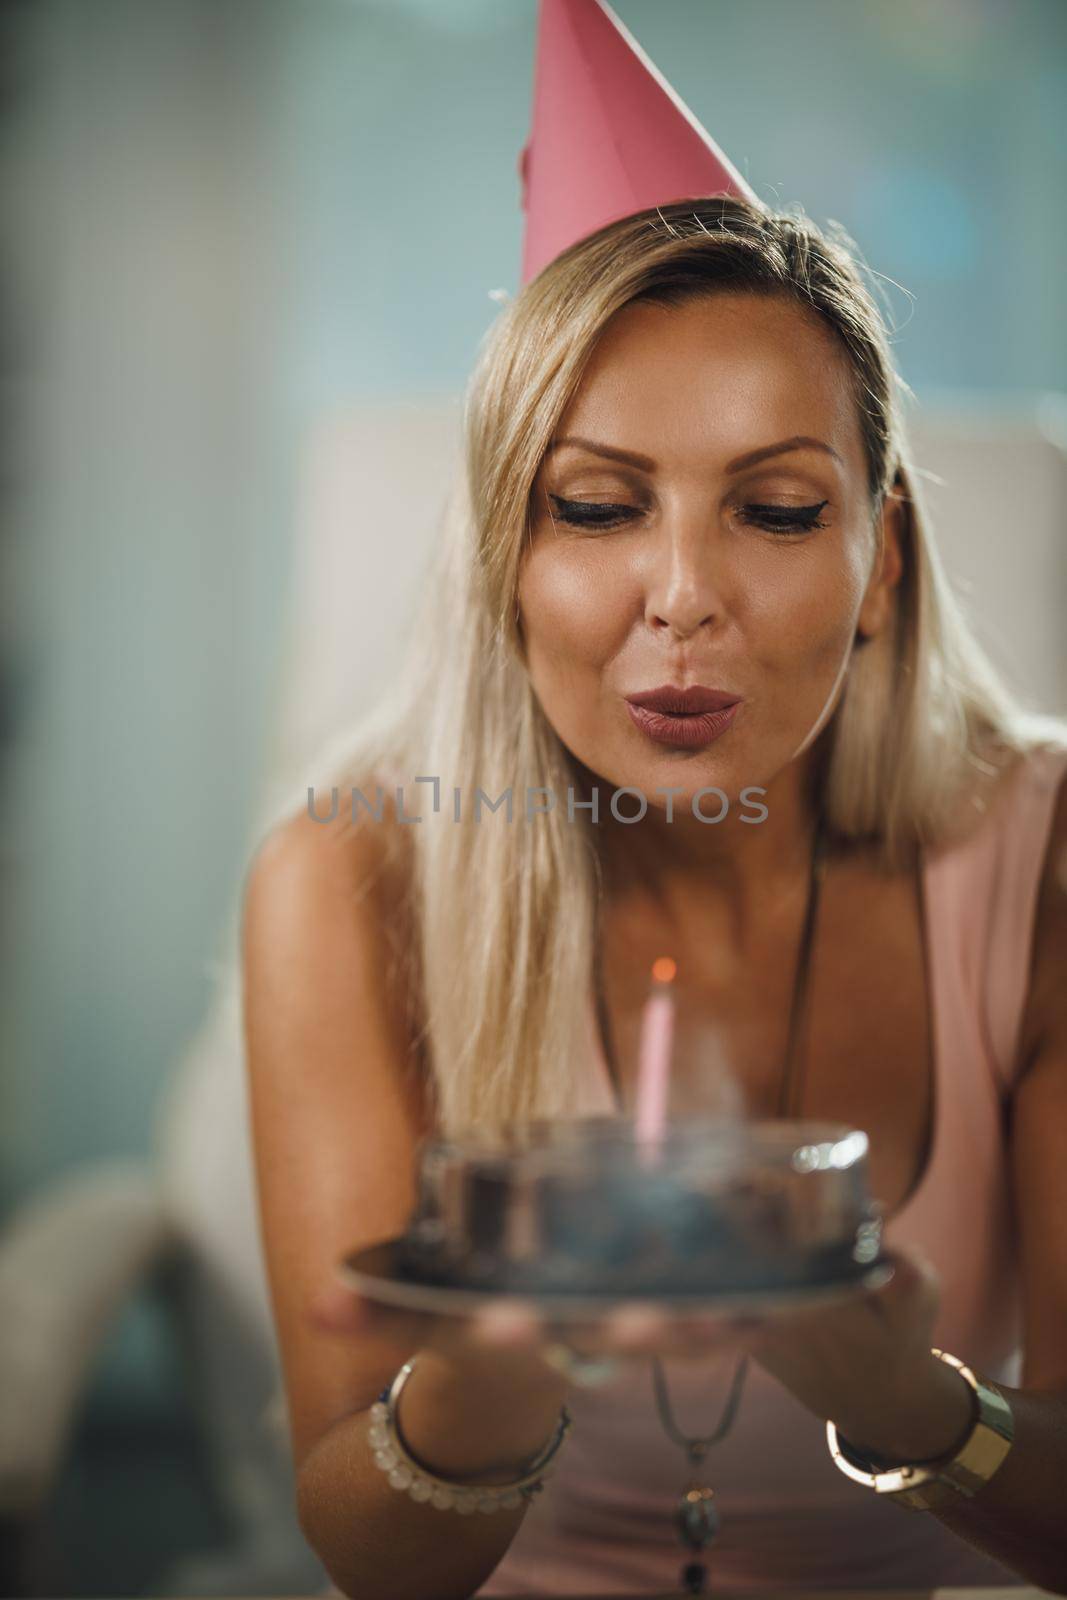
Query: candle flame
[{"x": 663, "y": 970}]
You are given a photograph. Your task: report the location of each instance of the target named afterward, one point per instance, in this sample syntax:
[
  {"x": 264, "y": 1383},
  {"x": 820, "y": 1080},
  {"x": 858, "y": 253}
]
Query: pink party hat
[{"x": 609, "y": 136}]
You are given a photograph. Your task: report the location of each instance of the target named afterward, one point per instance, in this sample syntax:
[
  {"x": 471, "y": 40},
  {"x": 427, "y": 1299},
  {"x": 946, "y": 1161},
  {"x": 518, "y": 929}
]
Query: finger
[
  {"x": 913, "y": 1269},
  {"x": 701, "y": 1338},
  {"x": 639, "y": 1328},
  {"x": 344, "y": 1313},
  {"x": 634, "y": 1328},
  {"x": 915, "y": 1281},
  {"x": 336, "y": 1309},
  {"x": 508, "y": 1324}
]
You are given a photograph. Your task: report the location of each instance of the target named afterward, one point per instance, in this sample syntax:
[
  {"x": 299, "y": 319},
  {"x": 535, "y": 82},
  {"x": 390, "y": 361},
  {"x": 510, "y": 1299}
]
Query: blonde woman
[{"x": 686, "y": 469}]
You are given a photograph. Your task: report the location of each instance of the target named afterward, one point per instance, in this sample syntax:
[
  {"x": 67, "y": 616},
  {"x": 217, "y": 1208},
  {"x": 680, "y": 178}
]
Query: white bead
[
  {"x": 400, "y": 1477},
  {"x": 465, "y": 1504},
  {"x": 377, "y": 1436},
  {"x": 488, "y": 1503},
  {"x": 379, "y": 1412},
  {"x": 420, "y": 1489},
  {"x": 443, "y": 1499},
  {"x": 510, "y": 1501},
  {"x": 386, "y": 1459}
]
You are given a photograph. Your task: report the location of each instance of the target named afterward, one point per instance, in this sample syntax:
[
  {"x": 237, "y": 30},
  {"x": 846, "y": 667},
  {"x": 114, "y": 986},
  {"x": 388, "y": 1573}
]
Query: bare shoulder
[
  {"x": 319, "y": 853},
  {"x": 977, "y": 803}
]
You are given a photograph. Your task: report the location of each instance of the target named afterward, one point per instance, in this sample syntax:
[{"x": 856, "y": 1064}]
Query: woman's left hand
[
  {"x": 863, "y": 1361},
  {"x": 866, "y": 1363}
]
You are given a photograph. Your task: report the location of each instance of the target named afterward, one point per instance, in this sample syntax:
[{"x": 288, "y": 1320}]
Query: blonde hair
[{"x": 505, "y": 916}]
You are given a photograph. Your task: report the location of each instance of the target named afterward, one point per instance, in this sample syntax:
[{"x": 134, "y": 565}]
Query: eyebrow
[{"x": 799, "y": 441}]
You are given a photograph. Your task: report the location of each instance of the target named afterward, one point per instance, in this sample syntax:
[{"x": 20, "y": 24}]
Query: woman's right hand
[
  {"x": 482, "y": 1399},
  {"x": 505, "y": 1329},
  {"x": 488, "y": 1384}
]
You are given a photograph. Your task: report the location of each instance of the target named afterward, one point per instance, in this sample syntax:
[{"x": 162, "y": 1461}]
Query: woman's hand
[
  {"x": 866, "y": 1364},
  {"x": 511, "y": 1332},
  {"x": 864, "y": 1361},
  {"x": 505, "y": 1331}
]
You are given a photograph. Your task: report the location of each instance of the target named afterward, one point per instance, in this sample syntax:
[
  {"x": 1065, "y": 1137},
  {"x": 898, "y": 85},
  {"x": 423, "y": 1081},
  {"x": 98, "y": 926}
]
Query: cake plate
[{"x": 375, "y": 1273}]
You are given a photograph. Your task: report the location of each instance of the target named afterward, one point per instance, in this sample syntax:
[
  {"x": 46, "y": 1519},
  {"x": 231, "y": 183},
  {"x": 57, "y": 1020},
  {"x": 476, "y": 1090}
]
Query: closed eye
[
  {"x": 784, "y": 519},
  {"x": 607, "y": 514},
  {"x": 590, "y": 513}
]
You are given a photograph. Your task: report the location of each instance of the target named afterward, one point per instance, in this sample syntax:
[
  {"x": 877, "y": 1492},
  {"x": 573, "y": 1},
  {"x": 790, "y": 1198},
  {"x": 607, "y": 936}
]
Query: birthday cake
[{"x": 715, "y": 1208}]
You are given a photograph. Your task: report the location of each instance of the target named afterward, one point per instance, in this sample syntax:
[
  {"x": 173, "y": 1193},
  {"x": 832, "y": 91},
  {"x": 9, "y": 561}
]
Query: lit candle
[{"x": 654, "y": 1059}]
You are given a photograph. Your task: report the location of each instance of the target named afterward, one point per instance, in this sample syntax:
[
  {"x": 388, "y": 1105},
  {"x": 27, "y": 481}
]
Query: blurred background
[{"x": 250, "y": 253}]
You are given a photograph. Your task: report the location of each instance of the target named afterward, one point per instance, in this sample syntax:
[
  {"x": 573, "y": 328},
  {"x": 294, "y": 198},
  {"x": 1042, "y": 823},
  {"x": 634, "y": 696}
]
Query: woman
[{"x": 686, "y": 467}]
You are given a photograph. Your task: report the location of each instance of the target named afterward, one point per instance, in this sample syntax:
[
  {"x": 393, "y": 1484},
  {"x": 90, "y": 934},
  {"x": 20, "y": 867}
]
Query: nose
[{"x": 684, "y": 587}]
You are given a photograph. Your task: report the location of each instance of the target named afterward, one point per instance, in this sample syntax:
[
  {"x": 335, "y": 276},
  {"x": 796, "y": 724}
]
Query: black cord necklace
[{"x": 696, "y": 1517}]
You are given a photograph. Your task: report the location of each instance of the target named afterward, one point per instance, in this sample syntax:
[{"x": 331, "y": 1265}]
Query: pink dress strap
[{"x": 1020, "y": 847}]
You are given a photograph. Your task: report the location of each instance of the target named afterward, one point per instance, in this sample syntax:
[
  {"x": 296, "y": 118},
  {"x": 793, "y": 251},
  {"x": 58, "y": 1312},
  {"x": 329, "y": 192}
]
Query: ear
[{"x": 876, "y": 607}]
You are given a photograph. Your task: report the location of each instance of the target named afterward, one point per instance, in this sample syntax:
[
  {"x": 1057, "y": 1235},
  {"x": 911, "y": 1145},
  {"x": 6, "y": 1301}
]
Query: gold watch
[{"x": 927, "y": 1485}]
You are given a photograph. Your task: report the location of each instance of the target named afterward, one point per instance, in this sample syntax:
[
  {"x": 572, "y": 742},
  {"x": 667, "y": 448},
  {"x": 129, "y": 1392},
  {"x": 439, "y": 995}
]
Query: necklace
[{"x": 696, "y": 1517}]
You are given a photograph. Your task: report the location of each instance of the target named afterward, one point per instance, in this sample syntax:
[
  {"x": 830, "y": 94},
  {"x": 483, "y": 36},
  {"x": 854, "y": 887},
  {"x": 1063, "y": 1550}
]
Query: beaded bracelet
[{"x": 406, "y": 1473}]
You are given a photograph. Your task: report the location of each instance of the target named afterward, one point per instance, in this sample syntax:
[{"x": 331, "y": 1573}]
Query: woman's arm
[
  {"x": 1020, "y": 1516},
  {"x": 337, "y": 1113},
  {"x": 920, "y": 1407}
]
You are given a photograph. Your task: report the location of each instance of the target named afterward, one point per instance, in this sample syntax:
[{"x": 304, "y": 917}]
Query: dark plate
[{"x": 374, "y": 1273}]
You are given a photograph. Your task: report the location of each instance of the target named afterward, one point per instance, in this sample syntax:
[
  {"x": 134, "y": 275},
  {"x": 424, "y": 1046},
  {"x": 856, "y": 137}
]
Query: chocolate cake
[{"x": 721, "y": 1207}]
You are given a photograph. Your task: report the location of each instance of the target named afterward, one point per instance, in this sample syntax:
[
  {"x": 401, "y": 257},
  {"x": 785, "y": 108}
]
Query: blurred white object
[
  {"x": 372, "y": 497},
  {"x": 374, "y": 487},
  {"x": 997, "y": 497},
  {"x": 68, "y": 1259}
]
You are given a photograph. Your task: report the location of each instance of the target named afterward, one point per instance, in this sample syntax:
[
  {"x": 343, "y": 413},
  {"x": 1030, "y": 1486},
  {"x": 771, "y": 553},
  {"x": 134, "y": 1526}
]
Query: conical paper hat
[{"x": 609, "y": 136}]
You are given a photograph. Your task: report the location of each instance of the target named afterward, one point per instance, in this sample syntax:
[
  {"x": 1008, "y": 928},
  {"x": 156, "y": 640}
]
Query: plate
[{"x": 374, "y": 1273}]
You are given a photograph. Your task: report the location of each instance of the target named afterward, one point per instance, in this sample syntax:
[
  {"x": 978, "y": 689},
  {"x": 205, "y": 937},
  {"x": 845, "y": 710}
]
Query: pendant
[{"x": 697, "y": 1521}]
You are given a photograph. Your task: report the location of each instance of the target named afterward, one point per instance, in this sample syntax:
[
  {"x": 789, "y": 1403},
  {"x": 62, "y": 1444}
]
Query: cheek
[
  {"x": 572, "y": 610},
  {"x": 806, "y": 615}
]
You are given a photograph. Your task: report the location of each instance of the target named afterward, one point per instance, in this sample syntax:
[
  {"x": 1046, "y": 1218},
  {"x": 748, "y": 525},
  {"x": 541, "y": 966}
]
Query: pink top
[{"x": 790, "y": 1518}]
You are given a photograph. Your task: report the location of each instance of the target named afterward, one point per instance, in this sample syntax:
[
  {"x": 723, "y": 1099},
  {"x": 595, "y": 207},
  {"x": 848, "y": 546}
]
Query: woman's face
[{"x": 702, "y": 518}]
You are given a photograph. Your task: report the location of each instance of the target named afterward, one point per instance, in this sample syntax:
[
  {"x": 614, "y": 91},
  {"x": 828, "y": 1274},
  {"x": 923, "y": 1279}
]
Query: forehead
[{"x": 715, "y": 377}]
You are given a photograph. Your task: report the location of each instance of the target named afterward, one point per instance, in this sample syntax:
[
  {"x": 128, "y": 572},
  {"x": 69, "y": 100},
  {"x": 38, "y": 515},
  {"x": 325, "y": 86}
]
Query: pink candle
[{"x": 654, "y": 1060}]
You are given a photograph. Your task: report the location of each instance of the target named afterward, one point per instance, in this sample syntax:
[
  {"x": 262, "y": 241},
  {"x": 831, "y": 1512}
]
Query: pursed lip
[{"x": 683, "y": 702}]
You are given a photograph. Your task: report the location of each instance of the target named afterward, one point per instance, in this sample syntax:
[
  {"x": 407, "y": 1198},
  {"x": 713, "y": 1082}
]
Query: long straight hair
[{"x": 504, "y": 915}]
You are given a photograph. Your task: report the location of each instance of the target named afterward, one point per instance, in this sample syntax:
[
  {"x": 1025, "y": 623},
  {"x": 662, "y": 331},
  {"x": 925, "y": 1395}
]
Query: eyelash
[{"x": 773, "y": 519}]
